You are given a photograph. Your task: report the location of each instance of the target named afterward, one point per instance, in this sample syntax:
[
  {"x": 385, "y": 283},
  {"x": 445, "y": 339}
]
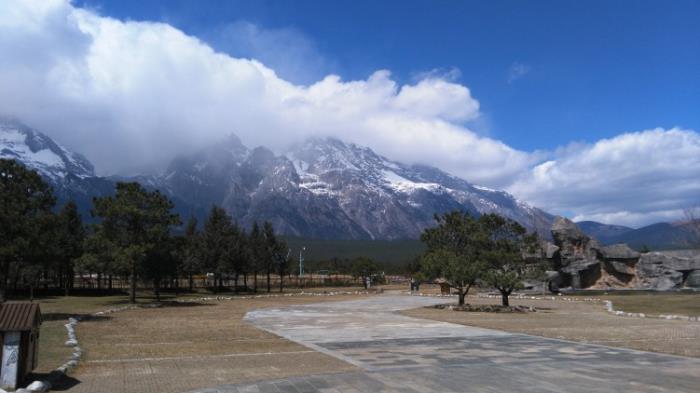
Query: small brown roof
[{"x": 19, "y": 316}]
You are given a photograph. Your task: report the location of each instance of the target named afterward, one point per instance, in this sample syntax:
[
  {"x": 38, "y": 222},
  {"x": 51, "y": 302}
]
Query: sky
[{"x": 586, "y": 109}]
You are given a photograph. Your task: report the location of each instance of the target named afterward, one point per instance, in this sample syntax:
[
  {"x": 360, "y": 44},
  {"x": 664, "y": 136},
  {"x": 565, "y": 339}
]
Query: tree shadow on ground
[{"x": 59, "y": 381}]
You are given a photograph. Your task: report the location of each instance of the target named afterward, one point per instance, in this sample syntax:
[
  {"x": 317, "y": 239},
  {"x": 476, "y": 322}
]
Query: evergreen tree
[
  {"x": 101, "y": 257},
  {"x": 71, "y": 235},
  {"x": 216, "y": 245},
  {"x": 138, "y": 222},
  {"x": 256, "y": 250},
  {"x": 161, "y": 262},
  {"x": 25, "y": 201},
  {"x": 509, "y": 244},
  {"x": 455, "y": 251},
  {"x": 191, "y": 261},
  {"x": 274, "y": 253}
]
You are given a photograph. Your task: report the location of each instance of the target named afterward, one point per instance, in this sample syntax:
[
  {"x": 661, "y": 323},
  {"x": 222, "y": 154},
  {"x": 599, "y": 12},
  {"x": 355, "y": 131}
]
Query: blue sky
[
  {"x": 590, "y": 70},
  {"x": 587, "y": 109}
]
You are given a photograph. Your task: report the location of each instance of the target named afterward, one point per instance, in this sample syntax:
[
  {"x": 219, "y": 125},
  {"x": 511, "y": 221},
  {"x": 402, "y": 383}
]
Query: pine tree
[
  {"x": 215, "y": 243},
  {"x": 138, "y": 222},
  {"x": 191, "y": 253},
  {"x": 455, "y": 251},
  {"x": 25, "y": 200},
  {"x": 509, "y": 243},
  {"x": 71, "y": 235}
]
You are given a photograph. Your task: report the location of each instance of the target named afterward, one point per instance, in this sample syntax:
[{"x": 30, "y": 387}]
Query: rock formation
[{"x": 581, "y": 263}]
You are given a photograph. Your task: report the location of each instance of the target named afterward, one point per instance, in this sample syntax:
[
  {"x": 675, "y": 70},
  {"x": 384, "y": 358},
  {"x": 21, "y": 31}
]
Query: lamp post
[{"x": 301, "y": 262}]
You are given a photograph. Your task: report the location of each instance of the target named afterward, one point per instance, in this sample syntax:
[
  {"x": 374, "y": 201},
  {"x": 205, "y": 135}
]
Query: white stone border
[
  {"x": 515, "y": 296},
  {"x": 608, "y": 305},
  {"x": 271, "y": 295},
  {"x": 609, "y": 308}
]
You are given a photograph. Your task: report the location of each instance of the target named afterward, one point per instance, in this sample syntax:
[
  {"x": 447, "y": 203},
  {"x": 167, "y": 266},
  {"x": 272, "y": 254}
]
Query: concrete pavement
[{"x": 403, "y": 354}]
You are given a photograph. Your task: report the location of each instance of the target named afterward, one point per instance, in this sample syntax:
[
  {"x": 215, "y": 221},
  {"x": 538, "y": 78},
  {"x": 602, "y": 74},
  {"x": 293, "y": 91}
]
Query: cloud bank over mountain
[{"x": 130, "y": 95}]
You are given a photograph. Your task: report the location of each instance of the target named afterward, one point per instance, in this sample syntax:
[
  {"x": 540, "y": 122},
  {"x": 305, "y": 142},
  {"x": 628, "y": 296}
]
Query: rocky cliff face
[
  {"x": 330, "y": 189},
  {"x": 582, "y": 263},
  {"x": 322, "y": 188}
]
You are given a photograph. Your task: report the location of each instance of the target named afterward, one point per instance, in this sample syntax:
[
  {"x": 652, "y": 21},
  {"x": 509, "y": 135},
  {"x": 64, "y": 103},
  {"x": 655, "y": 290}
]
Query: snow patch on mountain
[
  {"x": 401, "y": 184},
  {"x": 39, "y": 152}
]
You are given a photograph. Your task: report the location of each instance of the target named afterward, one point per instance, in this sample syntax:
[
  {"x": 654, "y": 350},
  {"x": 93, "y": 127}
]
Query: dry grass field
[
  {"x": 184, "y": 346},
  {"x": 653, "y": 303},
  {"x": 177, "y": 347},
  {"x": 580, "y": 321}
]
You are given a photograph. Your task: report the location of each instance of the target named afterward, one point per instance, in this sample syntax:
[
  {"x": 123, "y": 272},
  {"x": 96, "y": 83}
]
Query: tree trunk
[
  {"x": 71, "y": 278},
  {"x": 132, "y": 294},
  {"x": 235, "y": 284},
  {"x": 462, "y": 294},
  {"x": 504, "y": 298},
  {"x": 109, "y": 284},
  {"x": 156, "y": 289},
  {"x": 268, "y": 281},
  {"x": 245, "y": 281},
  {"x": 191, "y": 282},
  {"x": 281, "y": 278},
  {"x": 255, "y": 281}
]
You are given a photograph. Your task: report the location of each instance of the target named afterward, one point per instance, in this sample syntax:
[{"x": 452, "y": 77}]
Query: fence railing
[{"x": 243, "y": 282}]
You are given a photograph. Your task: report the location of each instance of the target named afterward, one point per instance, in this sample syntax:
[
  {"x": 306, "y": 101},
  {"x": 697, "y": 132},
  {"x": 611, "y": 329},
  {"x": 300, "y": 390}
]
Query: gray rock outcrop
[
  {"x": 618, "y": 251},
  {"x": 663, "y": 272},
  {"x": 577, "y": 256},
  {"x": 582, "y": 263},
  {"x": 693, "y": 280}
]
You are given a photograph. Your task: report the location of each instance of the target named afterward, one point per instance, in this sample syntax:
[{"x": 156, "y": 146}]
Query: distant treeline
[
  {"x": 395, "y": 256},
  {"x": 136, "y": 237}
]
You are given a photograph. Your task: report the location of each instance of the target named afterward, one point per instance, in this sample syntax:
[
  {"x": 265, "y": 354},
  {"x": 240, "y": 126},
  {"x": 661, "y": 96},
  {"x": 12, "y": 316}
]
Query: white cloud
[
  {"x": 632, "y": 179},
  {"x": 131, "y": 95},
  {"x": 517, "y": 70}
]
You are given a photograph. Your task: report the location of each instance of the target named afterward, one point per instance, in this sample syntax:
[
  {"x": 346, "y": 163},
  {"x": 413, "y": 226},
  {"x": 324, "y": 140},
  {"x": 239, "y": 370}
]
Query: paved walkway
[{"x": 403, "y": 354}]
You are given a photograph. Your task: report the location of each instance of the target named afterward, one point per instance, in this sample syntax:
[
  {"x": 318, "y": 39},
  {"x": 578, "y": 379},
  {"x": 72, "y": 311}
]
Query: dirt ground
[
  {"x": 181, "y": 347},
  {"x": 579, "y": 321}
]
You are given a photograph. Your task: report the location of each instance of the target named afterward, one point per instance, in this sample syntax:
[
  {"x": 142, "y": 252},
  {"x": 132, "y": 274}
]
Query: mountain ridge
[
  {"x": 657, "y": 236},
  {"x": 319, "y": 188}
]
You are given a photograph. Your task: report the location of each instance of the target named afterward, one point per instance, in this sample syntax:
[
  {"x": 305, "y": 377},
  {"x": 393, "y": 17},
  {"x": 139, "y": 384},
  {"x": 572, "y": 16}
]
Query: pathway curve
[{"x": 397, "y": 353}]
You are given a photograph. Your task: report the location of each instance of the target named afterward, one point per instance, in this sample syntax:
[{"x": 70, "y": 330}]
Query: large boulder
[
  {"x": 620, "y": 267},
  {"x": 620, "y": 251},
  {"x": 693, "y": 279},
  {"x": 658, "y": 271},
  {"x": 620, "y": 261},
  {"x": 577, "y": 256}
]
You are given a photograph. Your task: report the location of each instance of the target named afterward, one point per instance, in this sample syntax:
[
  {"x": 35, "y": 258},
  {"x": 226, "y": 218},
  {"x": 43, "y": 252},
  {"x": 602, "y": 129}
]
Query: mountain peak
[{"x": 39, "y": 152}]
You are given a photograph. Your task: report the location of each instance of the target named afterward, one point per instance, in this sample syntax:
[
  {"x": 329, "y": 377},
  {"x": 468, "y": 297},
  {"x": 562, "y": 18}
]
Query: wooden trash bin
[
  {"x": 19, "y": 327},
  {"x": 444, "y": 288}
]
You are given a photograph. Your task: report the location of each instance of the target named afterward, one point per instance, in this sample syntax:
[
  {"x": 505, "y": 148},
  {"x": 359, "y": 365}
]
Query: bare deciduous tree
[{"x": 692, "y": 215}]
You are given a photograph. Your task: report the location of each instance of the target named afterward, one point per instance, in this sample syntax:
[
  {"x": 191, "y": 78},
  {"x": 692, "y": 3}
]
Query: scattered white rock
[{"x": 39, "y": 386}]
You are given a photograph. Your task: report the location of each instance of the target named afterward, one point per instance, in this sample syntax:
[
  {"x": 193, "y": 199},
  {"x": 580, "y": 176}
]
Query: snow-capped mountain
[
  {"x": 328, "y": 188},
  {"x": 70, "y": 174},
  {"x": 38, "y": 151},
  {"x": 322, "y": 188}
]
